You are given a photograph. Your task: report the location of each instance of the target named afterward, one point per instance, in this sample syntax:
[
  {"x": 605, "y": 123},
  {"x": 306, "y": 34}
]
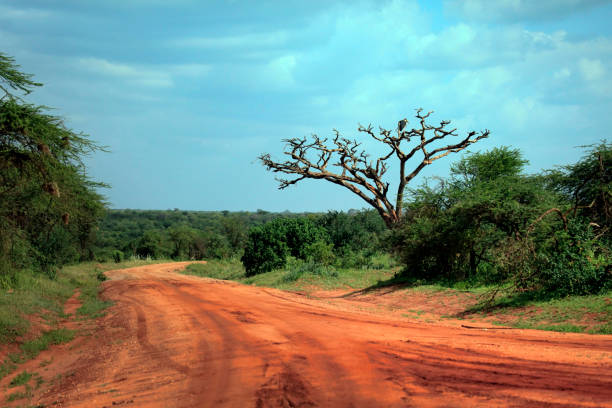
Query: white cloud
[
  {"x": 137, "y": 75},
  {"x": 257, "y": 40},
  {"x": 562, "y": 73},
  {"x": 517, "y": 10},
  {"x": 279, "y": 71},
  {"x": 591, "y": 69},
  {"x": 192, "y": 70},
  {"x": 11, "y": 13}
]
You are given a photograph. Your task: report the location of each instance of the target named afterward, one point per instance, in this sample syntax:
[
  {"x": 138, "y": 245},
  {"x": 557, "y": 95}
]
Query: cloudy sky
[{"x": 188, "y": 93}]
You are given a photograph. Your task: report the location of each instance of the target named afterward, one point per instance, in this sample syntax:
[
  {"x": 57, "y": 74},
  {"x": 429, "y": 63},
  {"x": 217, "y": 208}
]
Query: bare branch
[{"x": 344, "y": 162}]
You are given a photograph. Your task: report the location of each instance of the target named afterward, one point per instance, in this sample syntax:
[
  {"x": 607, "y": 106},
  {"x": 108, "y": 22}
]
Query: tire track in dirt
[{"x": 179, "y": 341}]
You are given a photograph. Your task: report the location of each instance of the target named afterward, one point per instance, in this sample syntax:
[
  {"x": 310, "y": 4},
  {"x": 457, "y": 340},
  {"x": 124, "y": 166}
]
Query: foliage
[
  {"x": 579, "y": 264},
  {"x": 268, "y": 246},
  {"x": 354, "y": 236},
  {"x": 48, "y": 206},
  {"x": 354, "y": 231},
  {"x": 13, "y": 78},
  {"x": 457, "y": 229},
  {"x": 204, "y": 234},
  {"x": 117, "y": 256},
  {"x": 490, "y": 224},
  {"x": 587, "y": 185},
  {"x": 320, "y": 252},
  {"x": 265, "y": 250},
  {"x": 153, "y": 244}
]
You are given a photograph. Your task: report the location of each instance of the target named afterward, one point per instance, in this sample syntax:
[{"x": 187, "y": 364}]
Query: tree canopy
[{"x": 49, "y": 207}]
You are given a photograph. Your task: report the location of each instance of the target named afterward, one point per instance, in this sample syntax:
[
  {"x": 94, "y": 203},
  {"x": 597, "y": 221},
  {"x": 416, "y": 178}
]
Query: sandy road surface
[{"x": 173, "y": 340}]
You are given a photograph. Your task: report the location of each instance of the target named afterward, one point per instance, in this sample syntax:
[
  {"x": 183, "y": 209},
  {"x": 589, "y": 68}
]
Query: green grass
[
  {"x": 32, "y": 348},
  {"x": 32, "y": 293},
  {"x": 605, "y": 328},
  {"x": 297, "y": 275},
  {"x": 226, "y": 269},
  {"x": 19, "y": 395},
  {"x": 562, "y": 327},
  {"x": 571, "y": 314},
  {"x": 20, "y": 379},
  {"x": 35, "y": 294}
]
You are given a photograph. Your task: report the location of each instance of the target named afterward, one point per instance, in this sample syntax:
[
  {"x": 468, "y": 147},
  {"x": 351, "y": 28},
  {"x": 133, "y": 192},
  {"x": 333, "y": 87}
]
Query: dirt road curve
[{"x": 178, "y": 341}]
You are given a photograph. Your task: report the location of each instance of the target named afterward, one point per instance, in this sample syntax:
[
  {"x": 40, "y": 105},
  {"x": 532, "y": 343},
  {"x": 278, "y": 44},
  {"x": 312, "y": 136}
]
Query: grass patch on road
[
  {"x": 225, "y": 269},
  {"x": 31, "y": 308},
  {"x": 573, "y": 314},
  {"x": 21, "y": 379},
  {"x": 296, "y": 275}
]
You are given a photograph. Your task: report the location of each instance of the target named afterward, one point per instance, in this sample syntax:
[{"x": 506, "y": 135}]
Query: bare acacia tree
[{"x": 343, "y": 162}]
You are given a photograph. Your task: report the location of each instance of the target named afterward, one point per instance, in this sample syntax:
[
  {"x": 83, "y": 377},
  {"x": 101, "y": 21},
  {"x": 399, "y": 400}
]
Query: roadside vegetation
[
  {"x": 49, "y": 207},
  {"x": 306, "y": 276},
  {"x": 32, "y": 310}
]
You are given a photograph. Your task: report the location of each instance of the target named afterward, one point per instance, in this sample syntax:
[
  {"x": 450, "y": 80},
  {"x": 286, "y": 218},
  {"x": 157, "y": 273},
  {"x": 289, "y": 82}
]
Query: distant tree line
[{"x": 183, "y": 235}]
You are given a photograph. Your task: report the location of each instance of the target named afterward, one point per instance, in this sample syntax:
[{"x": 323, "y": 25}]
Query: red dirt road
[{"x": 173, "y": 340}]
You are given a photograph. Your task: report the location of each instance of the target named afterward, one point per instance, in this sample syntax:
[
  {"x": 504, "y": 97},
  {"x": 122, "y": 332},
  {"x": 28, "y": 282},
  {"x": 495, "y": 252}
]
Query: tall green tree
[
  {"x": 587, "y": 185},
  {"x": 49, "y": 208}
]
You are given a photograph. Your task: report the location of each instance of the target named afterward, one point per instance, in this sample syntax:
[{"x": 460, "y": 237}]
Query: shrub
[
  {"x": 268, "y": 245},
  {"x": 265, "y": 250},
  {"x": 298, "y": 268},
  {"x": 117, "y": 256},
  {"x": 153, "y": 244},
  {"x": 464, "y": 228},
  {"x": 578, "y": 265},
  {"x": 353, "y": 231},
  {"x": 352, "y": 259},
  {"x": 320, "y": 252}
]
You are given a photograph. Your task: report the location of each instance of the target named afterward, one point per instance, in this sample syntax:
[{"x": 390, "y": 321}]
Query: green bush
[
  {"x": 118, "y": 256},
  {"x": 268, "y": 246},
  {"x": 298, "y": 268},
  {"x": 578, "y": 265},
  {"x": 153, "y": 244},
  {"x": 320, "y": 252},
  {"x": 265, "y": 250},
  {"x": 352, "y": 259}
]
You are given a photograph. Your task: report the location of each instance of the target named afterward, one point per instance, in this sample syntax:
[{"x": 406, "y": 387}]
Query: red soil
[{"x": 173, "y": 340}]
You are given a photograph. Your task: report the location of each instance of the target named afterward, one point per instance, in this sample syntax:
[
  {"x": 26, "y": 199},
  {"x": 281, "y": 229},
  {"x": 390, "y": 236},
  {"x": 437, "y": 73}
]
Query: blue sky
[{"x": 187, "y": 94}]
